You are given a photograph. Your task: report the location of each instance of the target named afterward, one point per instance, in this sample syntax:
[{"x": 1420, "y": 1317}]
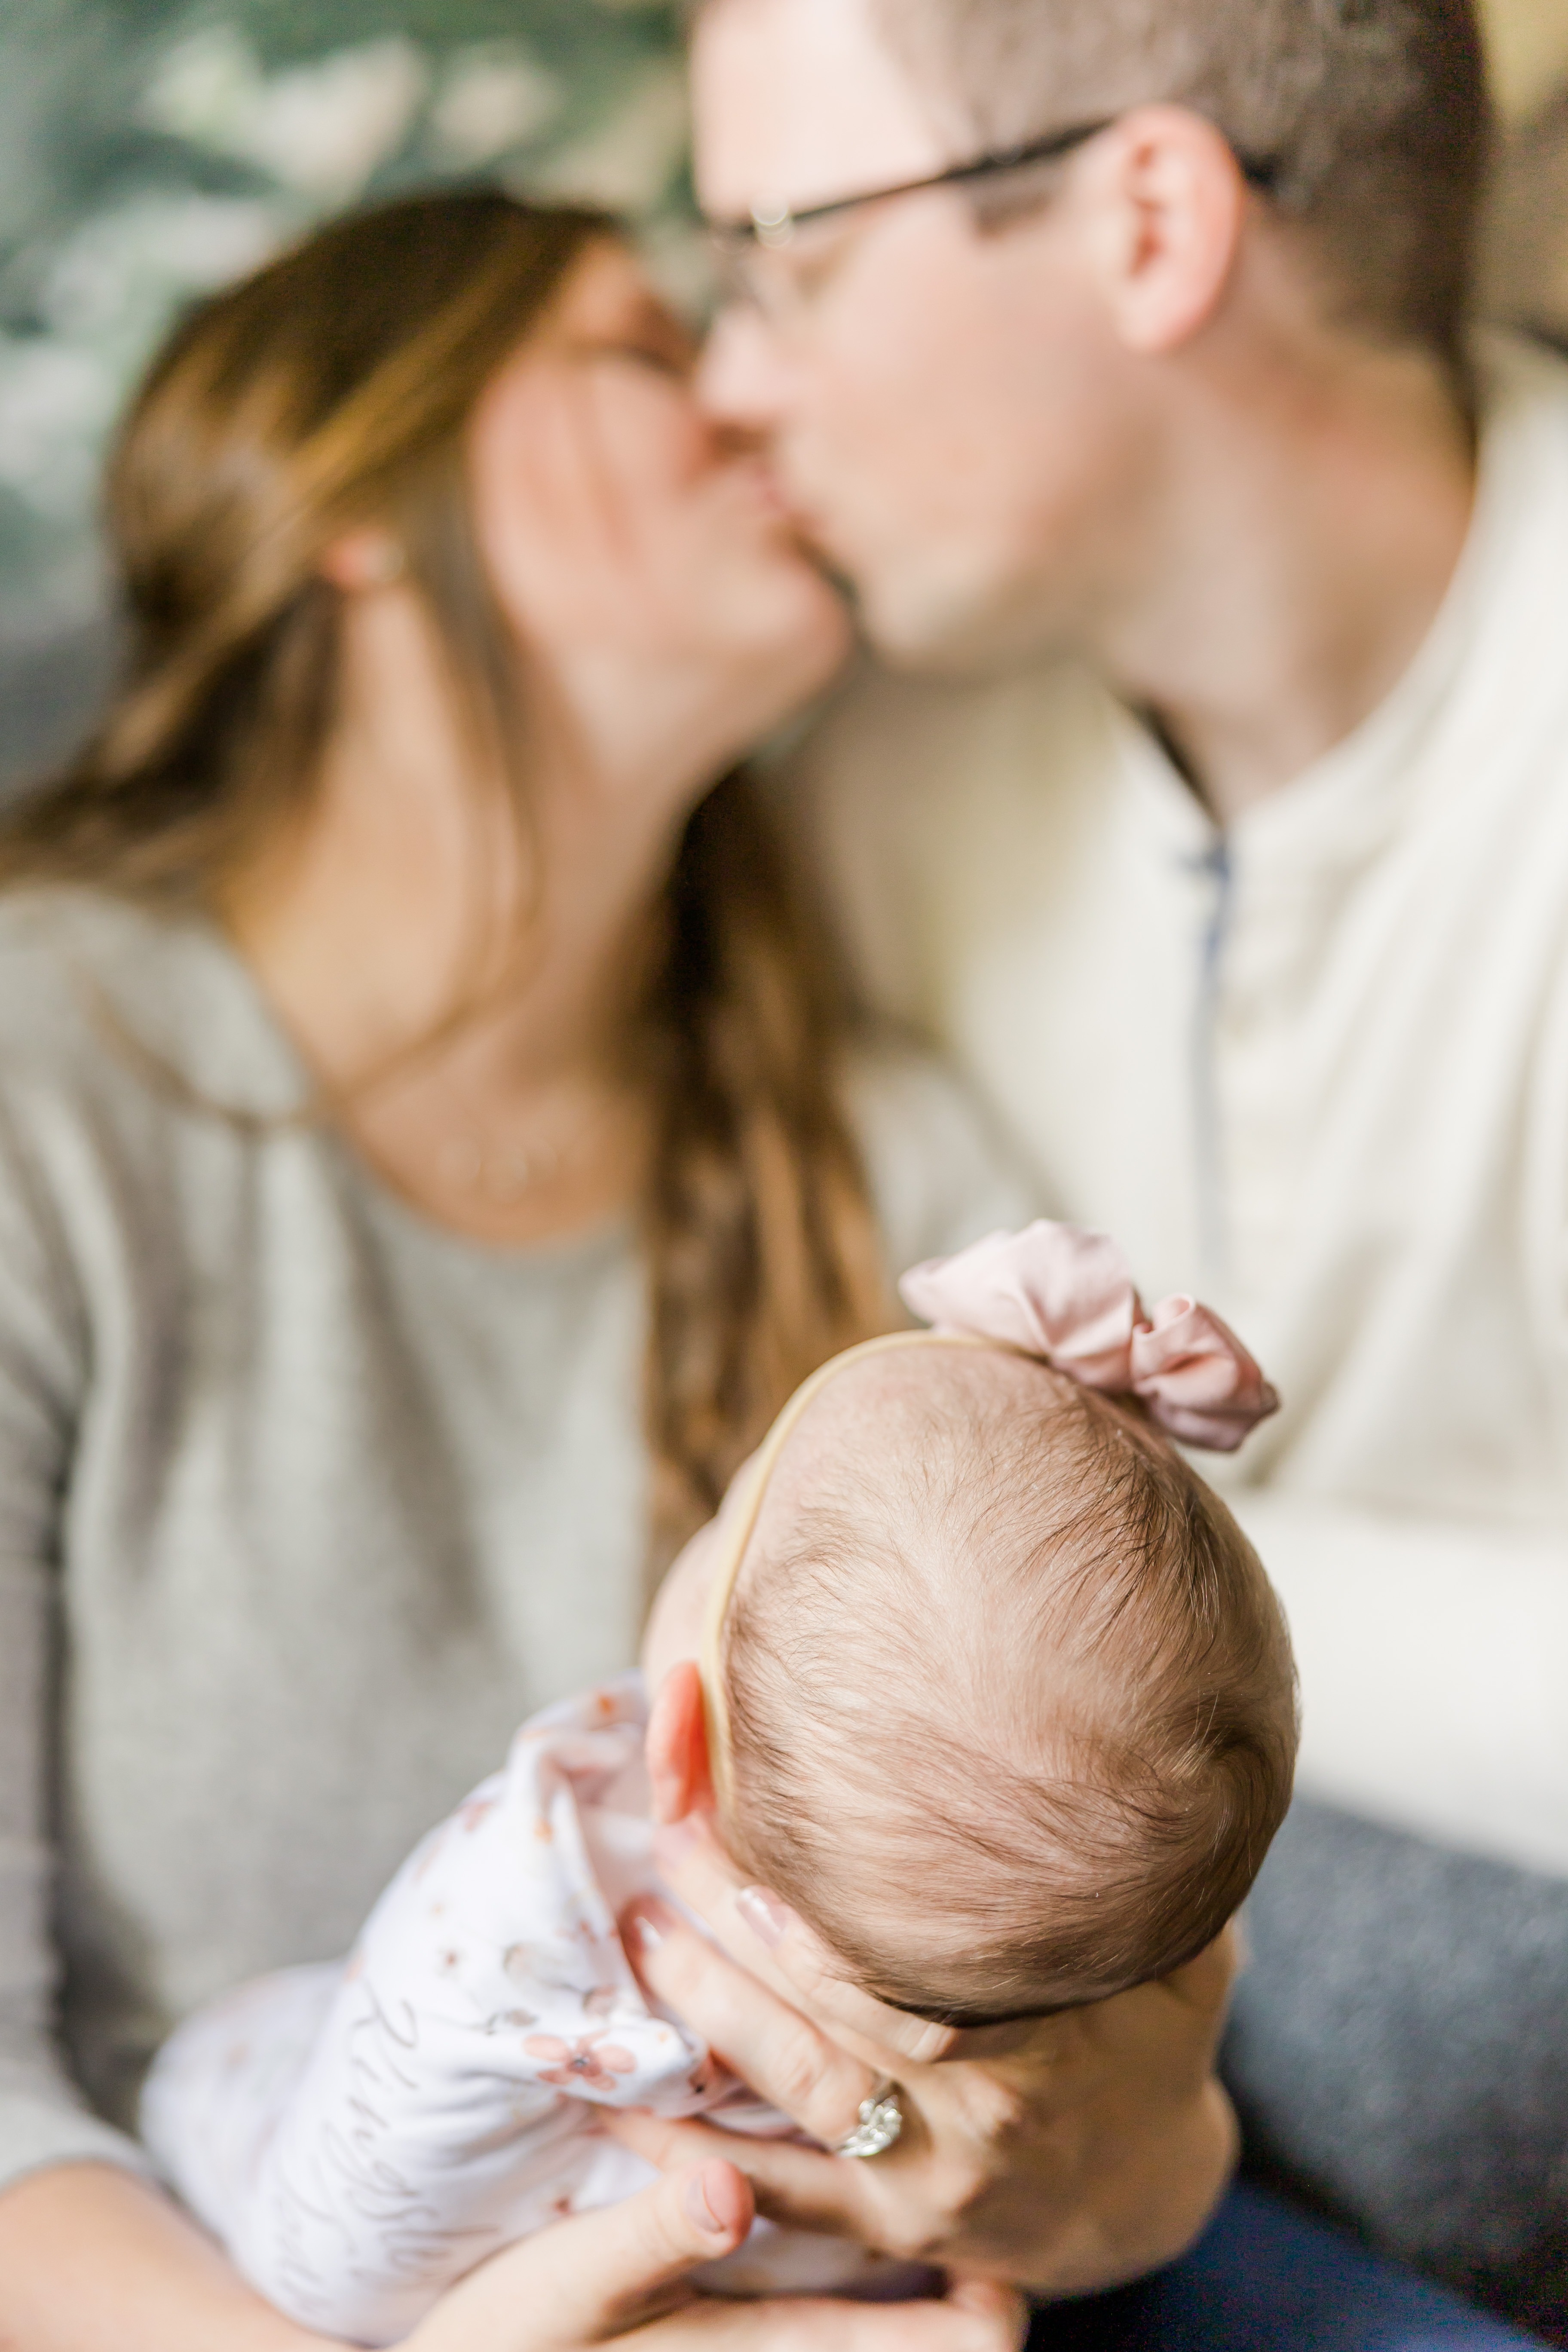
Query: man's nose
[{"x": 743, "y": 383}]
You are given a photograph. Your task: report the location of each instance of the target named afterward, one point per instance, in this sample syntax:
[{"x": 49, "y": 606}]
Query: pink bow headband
[
  {"x": 1051, "y": 1291},
  {"x": 1067, "y": 1297}
]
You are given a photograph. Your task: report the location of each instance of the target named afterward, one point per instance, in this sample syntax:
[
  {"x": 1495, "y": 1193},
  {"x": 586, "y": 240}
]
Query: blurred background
[{"x": 149, "y": 149}]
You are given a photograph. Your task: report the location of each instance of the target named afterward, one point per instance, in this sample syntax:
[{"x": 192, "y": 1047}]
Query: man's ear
[
  {"x": 1170, "y": 205},
  {"x": 680, "y": 1775}
]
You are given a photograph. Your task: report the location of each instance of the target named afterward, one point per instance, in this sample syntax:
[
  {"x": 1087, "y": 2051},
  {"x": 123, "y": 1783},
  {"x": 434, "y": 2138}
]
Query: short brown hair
[
  {"x": 1373, "y": 116},
  {"x": 1011, "y": 1703}
]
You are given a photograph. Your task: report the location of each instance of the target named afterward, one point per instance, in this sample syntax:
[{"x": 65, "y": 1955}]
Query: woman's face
[{"x": 637, "y": 552}]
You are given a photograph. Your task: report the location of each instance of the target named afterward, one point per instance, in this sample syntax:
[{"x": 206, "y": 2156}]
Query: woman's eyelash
[{"x": 673, "y": 364}]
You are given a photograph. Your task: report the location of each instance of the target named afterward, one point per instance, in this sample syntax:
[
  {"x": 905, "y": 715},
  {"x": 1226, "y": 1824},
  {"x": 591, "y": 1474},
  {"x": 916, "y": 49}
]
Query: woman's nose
[{"x": 742, "y": 381}]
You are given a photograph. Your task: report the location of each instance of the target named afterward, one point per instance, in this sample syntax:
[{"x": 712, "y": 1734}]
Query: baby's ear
[{"x": 679, "y": 1776}]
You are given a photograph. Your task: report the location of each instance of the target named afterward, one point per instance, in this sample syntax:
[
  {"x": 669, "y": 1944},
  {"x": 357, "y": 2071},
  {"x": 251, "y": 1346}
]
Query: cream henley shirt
[{"x": 1317, "y": 1068}]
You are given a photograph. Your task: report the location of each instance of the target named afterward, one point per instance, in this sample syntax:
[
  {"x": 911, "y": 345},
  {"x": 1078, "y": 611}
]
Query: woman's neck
[{"x": 460, "y": 986}]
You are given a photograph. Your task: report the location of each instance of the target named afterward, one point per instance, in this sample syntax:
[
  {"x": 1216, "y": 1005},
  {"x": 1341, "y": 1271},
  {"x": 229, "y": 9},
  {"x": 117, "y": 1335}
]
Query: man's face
[{"x": 940, "y": 396}]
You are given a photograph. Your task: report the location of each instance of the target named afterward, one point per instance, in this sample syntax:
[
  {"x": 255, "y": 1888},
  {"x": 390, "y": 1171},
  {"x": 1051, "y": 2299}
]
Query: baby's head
[{"x": 999, "y": 1697}]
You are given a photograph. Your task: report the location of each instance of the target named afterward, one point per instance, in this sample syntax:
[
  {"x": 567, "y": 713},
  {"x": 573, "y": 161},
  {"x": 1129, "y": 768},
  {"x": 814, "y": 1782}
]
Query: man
[{"x": 1133, "y": 389}]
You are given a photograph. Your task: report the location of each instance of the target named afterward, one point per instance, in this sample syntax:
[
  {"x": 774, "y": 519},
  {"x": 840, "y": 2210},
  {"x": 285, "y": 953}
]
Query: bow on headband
[{"x": 1067, "y": 1297}]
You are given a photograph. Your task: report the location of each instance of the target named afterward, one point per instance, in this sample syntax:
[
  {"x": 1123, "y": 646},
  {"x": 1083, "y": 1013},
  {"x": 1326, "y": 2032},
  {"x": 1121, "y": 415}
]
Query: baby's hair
[{"x": 1012, "y": 1701}]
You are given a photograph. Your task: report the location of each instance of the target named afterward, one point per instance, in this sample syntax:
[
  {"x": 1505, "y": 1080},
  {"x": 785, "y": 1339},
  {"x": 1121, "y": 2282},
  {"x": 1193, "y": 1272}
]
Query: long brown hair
[{"x": 333, "y": 388}]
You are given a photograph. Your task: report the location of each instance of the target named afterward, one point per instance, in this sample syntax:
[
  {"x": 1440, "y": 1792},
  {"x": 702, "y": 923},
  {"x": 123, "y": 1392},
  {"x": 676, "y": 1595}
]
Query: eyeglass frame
[{"x": 770, "y": 231}]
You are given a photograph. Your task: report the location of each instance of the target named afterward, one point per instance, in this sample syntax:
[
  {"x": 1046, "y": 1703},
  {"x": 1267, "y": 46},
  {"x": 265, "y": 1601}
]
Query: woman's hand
[
  {"x": 620, "y": 2276},
  {"x": 94, "y": 2260},
  {"x": 1065, "y": 2154}
]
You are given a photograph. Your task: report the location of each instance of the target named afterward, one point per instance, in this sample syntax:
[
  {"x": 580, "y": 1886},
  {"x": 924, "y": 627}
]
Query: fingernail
[
  {"x": 700, "y": 2211},
  {"x": 643, "y": 1925},
  {"x": 764, "y": 1914}
]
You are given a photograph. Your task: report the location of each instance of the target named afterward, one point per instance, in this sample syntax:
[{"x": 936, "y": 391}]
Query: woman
[{"x": 429, "y": 1149}]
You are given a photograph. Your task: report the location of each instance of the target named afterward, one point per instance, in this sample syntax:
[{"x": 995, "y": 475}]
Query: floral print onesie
[{"x": 358, "y": 2135}]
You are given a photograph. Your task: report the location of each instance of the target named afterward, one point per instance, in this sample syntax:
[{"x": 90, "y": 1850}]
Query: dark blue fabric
[
  {"x": 1268, "y": 2278},
  {"x": 1399, "y": 2040}
]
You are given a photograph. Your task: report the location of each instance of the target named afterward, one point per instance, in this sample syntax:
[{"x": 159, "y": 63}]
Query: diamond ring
[{"x": 882, "y": 2121}]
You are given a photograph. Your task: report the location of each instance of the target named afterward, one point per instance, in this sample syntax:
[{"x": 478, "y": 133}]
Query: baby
[{"x": 978, "y": 1675}]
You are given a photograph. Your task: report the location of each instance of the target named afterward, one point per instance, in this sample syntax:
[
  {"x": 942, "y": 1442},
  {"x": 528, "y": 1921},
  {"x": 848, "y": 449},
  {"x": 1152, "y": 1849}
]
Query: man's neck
[{"x": 1309, "y": 534}]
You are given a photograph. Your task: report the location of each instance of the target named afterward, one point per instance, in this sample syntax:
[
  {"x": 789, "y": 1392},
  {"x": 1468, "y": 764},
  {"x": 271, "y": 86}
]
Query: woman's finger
[
  {"x": 769, "y": 1940},
  {"x": 590, "y": 2279},
  {"x": 798, "y": 2187},
  {"x": 1000, "y": 2312},
  {"x": 975, "y": 2317},
  {"x": 779, "y": 2053},
  {"x": 604, "y": 2268},
  {"x": 1205, "y": 1982}
]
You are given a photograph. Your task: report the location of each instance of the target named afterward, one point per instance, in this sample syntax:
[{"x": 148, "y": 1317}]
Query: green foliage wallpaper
[{"x": 149, "y": 149}]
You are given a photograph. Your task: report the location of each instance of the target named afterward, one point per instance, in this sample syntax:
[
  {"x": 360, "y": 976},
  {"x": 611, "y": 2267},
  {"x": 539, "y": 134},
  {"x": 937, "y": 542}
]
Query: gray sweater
[{"x": 304, "y": 1503}]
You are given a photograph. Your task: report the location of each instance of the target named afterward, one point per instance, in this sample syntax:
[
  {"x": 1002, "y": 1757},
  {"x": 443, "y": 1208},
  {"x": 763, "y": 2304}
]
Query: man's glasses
[{"x": 772, "y": 229}]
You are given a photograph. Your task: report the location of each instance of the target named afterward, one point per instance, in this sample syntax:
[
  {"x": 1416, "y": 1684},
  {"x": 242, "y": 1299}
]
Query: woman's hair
[{"x": 334, "y": 389}]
